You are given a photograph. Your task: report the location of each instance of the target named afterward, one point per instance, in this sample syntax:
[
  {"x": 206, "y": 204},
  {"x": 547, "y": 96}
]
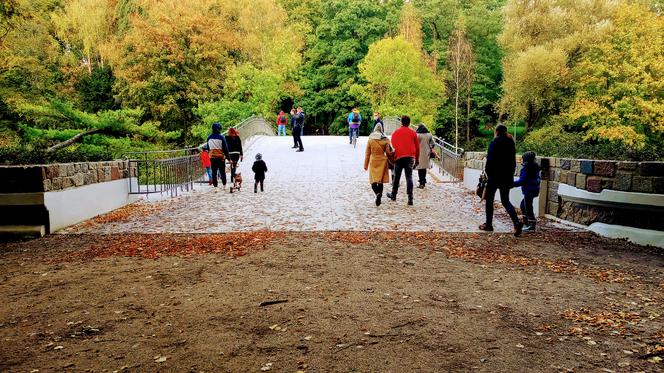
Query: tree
[
  {"x": 461, "y": 65},
  {"x": 400, "y": 81},
  {"x": 619, "y": 80}
]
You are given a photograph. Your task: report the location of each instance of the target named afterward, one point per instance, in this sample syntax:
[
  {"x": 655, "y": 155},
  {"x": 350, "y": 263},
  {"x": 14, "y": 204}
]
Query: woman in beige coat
[
  {"x": 426, "y": 145},
  {"x": 375, "y": 160}
]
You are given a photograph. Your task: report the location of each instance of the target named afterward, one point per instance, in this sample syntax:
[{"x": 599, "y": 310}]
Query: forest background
[{"x": 93, "y": 79}]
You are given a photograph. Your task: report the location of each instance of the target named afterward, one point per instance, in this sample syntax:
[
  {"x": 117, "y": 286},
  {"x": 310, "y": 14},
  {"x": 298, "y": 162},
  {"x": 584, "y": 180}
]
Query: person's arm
[
  {"x": 367, "y": 154},
  {"x": 241, "y": 152},
  {"x": 417, "y": 149},
  {"x": 349, "y": 118},
  {"x": 264, "y": 166},
  {"x": 522, "y": 177},
  {"x": 224, "y": 147},
  {"x": 488, "y": 165}
]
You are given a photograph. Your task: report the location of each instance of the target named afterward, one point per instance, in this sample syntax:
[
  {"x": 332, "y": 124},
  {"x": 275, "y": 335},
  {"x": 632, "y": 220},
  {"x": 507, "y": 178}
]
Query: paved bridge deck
[{"x": 324, "y": 188}]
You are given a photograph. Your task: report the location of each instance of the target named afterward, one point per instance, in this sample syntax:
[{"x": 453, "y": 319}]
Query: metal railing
[
  {"x": 451, "y": 158},
  {"x": 170, "y": 171},
  {"x": 167, "y": 171}
]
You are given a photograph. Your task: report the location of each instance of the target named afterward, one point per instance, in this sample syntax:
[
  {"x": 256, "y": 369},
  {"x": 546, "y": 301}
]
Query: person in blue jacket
[
  {"x": 216, "y": 142},
  {"x": 529, "y": 181}
]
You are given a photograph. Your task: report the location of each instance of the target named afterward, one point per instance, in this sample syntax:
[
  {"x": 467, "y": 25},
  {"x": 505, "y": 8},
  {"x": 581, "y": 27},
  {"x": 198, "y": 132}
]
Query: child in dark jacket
[
  {"x": 259, "y": 168},
  {"x": 529, "y": 181}
]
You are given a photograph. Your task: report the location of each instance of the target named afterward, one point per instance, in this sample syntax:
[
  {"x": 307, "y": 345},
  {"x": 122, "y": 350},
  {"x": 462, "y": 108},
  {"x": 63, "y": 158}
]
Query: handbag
[
  {"x": 433, "y": 154},
  {"x": 481, "y": 186}
]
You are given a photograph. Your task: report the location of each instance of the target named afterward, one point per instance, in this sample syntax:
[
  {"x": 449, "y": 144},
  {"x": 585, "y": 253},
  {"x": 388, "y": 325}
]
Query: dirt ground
[{"x": 356, "y": 302}]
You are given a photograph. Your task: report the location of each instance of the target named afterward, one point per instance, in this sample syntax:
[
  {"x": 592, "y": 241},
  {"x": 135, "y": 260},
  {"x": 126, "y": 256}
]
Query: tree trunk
[
  {"x": 468, "y": 119},
  {"x": 74, "y": 139}
]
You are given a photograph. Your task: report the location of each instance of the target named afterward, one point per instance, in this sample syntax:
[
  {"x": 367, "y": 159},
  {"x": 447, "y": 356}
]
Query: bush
[
  {"x": 554, "y": 140},
  {"x": 22, "y": 155}
]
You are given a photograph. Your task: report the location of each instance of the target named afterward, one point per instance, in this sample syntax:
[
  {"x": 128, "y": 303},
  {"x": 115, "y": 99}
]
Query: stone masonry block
[
  {"x": 623, "y": 181},
  {"x": 52, "y": 171},
  {"x": 107, "y": 174},
  {"x": 586, "y": 167},
  {"x": 627, "y": 166},
  {"x": 115, "y": 173},
  {"x": 651, "y": 169},
  {"x": 596, "y": 184},
  {"x": 56, "y": 183},
  {"x": 604, "y": 168},
  {"x": 581, "y": 181},
  {"x": 658, "y": 185},
  {"x": 642, "y": 184},
  {"x": 571, "y": 178},
  {"x": 47, "y": 185},
  {"x": 575, "y": 165},
  {"x": 78, "y": 179},
  {"x": 67, "y": 183},
  {"x": 565, "y": 164},
  {"x": 545, "y": 163}
]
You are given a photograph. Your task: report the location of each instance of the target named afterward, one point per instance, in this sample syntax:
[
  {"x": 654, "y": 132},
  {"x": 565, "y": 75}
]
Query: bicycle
[{"x": 354, "y": 139}]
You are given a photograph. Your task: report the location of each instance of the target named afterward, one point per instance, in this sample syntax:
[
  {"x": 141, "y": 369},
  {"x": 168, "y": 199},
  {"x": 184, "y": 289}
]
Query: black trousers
[
  {"x": 504, "y": 199},
  {"x": 234, "y": 159},
  {"x": 218, "y": 166},
  {"x": 297, "y": 135},
  {"x": 377, "y": 188},
  {"x": 256, "y": 185},
  {"x": 422, "y": 176},
  {"x": 294, "y": 137},
  {"x": 405, "y": 165},
  {"x": 527, "y": 210}
]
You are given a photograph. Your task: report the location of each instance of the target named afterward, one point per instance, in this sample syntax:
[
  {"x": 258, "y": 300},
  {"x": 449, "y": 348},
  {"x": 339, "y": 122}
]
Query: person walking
[
  {"x": 259, "y": 168},
  {"x": 235, "y": 153},
  {"x": 375, "y": 161},
  {"x": 406, "y": 155},
  {"x": 205, "y": 162},
  {"x": 499, "y": 168},
  {"x": 281, "y": 123},
  {"x": 216, "y": 142},
  {"x": 529, "y": 181},
  {"x": 354, "y": 121},
  {"x": 378, "y": 121},
  {"x": 425, "y": 140},
  {"x": 298, "y": 129},
  {"x": 292, "y": 126}
]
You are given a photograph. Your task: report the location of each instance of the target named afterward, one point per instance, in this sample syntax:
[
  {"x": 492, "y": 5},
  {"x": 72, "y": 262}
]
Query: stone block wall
[
  {"x": 594, "y": 176},
  {"x": 54, "y": 177}
]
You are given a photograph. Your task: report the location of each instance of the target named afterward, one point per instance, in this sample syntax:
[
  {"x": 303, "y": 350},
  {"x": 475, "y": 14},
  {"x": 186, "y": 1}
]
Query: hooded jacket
[
  {"x": 529, "y": 178},
  {"x": 217, "y": 143},
  {"x": 501, "y": 161}
]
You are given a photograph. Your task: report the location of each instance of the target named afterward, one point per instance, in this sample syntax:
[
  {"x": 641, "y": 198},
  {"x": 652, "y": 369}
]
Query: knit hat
[
  {"x": 528, "y": 157},
  {"x": 259, "y": 156},
  {"x": 216, "y": 127}
]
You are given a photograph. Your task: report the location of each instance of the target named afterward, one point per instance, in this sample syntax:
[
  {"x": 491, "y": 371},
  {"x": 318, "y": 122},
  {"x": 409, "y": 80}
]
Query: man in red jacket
[{"x": 406, "y": 153}]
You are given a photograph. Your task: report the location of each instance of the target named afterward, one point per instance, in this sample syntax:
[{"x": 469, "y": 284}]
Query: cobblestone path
[{"x": 323, "y": 188}]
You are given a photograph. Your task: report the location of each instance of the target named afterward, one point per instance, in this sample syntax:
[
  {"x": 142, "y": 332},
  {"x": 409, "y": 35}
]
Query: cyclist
[{"x": 354, "y": 122}]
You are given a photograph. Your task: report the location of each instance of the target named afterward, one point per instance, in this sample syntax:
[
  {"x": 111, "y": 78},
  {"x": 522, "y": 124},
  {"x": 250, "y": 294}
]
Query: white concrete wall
[
  {"x": 471, "y": 176},
  {"x": 74, "y": 205}
]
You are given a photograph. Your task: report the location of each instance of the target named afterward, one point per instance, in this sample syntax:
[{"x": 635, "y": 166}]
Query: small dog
[{"x": 237, "y": 182}]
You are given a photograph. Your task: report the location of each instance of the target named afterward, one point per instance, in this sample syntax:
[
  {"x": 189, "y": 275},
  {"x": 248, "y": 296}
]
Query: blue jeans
[
  {"x": 356, "y": 131},
  {"x": 302, "y": 130},
  {"x": 208, "y": 170},
  {"x": 281, "y": 129}
]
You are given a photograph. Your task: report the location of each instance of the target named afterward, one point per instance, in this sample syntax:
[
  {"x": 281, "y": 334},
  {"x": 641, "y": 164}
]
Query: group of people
[
  {"x": 219, "y": 148},
  {"x": 296, "y": 124},
  {"x": 410, "y": 150},
  {"x": 407, "y": 150},
  {"x": 500, "y": 168}
]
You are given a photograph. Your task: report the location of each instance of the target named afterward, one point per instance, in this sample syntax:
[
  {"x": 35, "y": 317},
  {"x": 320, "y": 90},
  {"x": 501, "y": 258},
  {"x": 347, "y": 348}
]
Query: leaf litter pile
[{"x": 153, "y": 246}]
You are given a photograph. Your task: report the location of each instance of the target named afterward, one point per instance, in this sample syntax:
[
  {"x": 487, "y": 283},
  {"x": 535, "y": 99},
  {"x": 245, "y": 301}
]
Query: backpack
[{"x": 356, "y": 118}]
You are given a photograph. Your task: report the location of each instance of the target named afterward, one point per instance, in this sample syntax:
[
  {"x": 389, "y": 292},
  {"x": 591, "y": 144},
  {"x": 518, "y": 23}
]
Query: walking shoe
[
  {"x": 410, "y": 200},
  {"x": 518, "y": 228},
  {"x": 421, "y": 186},
  {"x": 299, "y": 150},
  {"x": 294, "y": 147},
  {"x": 529, "y": 228},
  {"x": 392, "y": 197},
  {"x": 378, "y": 197},
  {"x": 486, "y": 228}
]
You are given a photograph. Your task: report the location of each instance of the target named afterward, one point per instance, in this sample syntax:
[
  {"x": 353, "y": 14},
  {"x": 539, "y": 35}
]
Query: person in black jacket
[
  {"x": 235, "y": 153},
  {"x": 500, "y": 168},
  {"x": 298, "y": 129},
  {"x": 292, "y": 127},
  {"x": 259, "y": 168}
]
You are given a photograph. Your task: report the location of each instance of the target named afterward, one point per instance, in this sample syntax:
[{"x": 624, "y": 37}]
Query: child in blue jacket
[{"x": 529, "y": 181}]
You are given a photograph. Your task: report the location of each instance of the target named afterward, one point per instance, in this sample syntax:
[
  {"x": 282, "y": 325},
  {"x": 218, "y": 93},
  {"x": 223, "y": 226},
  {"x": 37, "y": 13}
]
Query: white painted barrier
[{"x": 71, "y": 206}]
